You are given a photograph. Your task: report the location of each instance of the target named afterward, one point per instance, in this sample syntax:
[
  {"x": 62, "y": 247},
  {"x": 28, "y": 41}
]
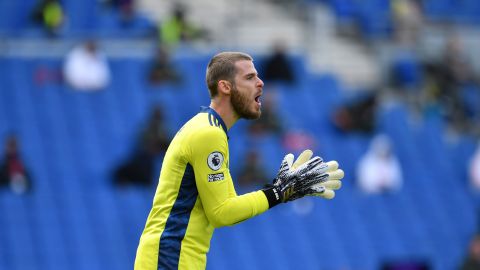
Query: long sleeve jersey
[{"x": 195, "y": 194}]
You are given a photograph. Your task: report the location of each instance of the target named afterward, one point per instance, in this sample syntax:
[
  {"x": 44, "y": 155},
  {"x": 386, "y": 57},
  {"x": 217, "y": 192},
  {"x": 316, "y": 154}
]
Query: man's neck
[{"x": 225, "y": 111}]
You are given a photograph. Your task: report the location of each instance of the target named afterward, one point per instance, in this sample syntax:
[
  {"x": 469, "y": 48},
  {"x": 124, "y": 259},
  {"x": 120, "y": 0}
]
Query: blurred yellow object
[{"x": 53, "y": 15}]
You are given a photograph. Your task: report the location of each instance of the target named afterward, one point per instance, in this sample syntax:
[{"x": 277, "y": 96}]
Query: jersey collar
[{"x": 216, "y": 115}]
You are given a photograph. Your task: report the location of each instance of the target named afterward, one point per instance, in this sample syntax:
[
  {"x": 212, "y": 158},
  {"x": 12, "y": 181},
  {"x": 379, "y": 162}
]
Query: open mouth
[{"x": 257, "y": 99}]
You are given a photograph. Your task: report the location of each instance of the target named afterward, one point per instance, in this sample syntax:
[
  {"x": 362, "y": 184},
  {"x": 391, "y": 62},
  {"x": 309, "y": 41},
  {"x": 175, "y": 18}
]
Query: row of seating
[{"x": 83, "y": 18}]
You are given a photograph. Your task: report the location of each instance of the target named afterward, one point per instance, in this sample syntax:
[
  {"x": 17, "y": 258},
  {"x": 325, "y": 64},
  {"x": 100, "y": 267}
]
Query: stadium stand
[
  {"x": 71, "y": 141},
  {"x": 75, "y": 219}
]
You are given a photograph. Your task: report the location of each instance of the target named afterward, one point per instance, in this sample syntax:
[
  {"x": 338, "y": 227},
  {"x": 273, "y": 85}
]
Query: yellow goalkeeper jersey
[{"x": 195, "y": 194}]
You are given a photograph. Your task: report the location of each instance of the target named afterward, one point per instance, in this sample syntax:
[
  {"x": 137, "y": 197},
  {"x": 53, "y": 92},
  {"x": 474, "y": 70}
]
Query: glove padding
[
  {"x": 290, "y": 172},
  {"x": 307, "y": 176},
  {"x": 322, "y": 182}
]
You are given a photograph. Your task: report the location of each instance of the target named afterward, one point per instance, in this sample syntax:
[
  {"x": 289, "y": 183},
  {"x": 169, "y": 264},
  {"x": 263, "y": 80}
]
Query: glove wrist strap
[{"x": 274, "y": 196}]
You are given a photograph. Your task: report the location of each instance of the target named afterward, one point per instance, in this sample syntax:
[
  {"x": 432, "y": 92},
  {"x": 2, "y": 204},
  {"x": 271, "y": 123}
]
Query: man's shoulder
[{"x": 200, "y": 126}]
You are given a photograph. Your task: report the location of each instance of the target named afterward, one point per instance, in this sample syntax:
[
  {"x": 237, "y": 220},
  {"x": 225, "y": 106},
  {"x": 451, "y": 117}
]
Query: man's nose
[{"x": 260, "y": 83}]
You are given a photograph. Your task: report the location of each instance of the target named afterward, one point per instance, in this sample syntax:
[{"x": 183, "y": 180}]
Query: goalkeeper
[{"x": 195, "y": 193}]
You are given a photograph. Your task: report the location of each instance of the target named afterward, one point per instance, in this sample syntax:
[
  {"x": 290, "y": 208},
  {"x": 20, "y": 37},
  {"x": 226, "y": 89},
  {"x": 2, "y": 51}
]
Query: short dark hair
[{"x": 222, "y": 67}]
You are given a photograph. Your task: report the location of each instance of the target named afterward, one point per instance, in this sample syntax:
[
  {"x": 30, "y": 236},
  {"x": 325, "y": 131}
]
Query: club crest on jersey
[{"x": 215, "y": 160}]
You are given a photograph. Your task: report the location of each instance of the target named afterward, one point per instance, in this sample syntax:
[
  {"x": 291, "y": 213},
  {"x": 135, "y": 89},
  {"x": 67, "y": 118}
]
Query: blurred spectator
[
  {"x": 450, "y": 77},
  {"x": 86, "y": 68},
  {"x": 358, "y": 116},
  {"x": 458, "y": 73},
  {"x": 252, "y": 173},
  {"x": 277, "y": 67},
  {"x": 155, "y": 137},
  {"x": 408, "y": 19},
  {"x": 472, "y": 261},
  {"x": 162, "y": 70},
  {"x": 378, "y": 171},
  {"x": 474, "y": 170},
  {"x": 153, "y": 143},
  {"x": 459, "y": 70},
  {"x": 270, "y": 121},
  {"x": 50, "y": 14},
  {"x": 178, "y": 29},
  {"x": 12, "y": 170}
]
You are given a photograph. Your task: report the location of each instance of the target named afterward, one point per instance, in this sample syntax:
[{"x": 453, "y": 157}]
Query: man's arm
[
  {"x": 222, "y": 205},
  {"x": 304, "y": 177}
]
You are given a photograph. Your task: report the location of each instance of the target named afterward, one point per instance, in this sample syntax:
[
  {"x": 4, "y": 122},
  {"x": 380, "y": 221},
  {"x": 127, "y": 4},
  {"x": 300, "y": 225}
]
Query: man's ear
[{"x": 224, "y": 87}]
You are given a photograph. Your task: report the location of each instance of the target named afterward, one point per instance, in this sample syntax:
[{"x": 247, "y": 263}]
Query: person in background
[
  {"x": 13, "y": 173},
  {"x": 357, "y": 116},
  {"x": 86, "y": 68},
  {"x": 277, "y": 67},
  {"x": 472, "y": 260},
  {"x": 407, "y": 18},
  {"x": 177, "y": 28},
  {"x": 155, "y": 136},
  {"x": 378, "y": 170},
  {"x": 451, "y": 76},
  {"x": 50, "y": 14},
  {"x": 153, "y": 143},
  {"x": 162, "y": 70}
]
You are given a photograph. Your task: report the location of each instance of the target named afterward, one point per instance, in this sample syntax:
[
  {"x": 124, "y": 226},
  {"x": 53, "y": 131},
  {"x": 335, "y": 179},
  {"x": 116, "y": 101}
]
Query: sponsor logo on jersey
[
  {"x": 215, "y": 160},
  {"x": 215, "y": 177}
]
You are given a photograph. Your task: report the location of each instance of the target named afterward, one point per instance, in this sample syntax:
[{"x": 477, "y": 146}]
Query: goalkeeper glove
[
  {"x": 304, "y": 177},
  {"x": 321, "y": 183},
  {"x": 290, "y": 172}
]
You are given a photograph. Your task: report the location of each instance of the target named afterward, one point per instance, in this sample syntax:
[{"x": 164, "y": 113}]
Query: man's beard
[{"x": 240, "y": 105}]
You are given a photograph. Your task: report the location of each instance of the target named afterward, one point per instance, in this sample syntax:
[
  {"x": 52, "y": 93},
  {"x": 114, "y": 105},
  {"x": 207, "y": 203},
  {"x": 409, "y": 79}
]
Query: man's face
[{"x": 246, "y": 91}]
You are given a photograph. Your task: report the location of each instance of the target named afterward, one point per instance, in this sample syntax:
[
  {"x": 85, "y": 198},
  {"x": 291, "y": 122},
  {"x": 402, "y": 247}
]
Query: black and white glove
[
  {"x": 322, "y": 182},
  {"x": 305, "y": 176}
]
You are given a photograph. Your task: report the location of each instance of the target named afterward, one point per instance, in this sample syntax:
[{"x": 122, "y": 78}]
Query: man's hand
[
  {"x": 322, "y": 182},
  {"x": 305, "y": 177},
  {"x": 291, "y": 172}
]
